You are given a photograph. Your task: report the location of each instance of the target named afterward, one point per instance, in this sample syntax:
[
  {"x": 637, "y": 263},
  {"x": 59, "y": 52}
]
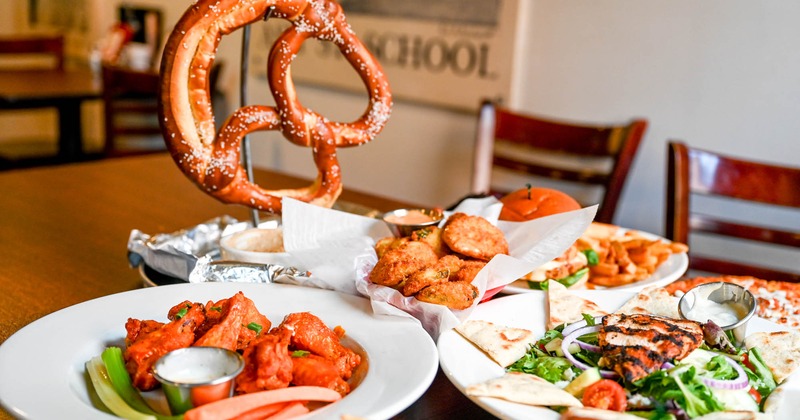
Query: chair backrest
[
  {"x": 39, "y": 45},
  {"x": 130, "y": 111},
  {"x": 130, "y": 104},
  {"x": 528, "y": 136},
  {"x": 692, "y": 173}
]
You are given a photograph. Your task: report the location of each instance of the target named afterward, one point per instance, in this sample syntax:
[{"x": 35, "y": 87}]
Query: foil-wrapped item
[
  {"x": 206, "y": 271},
  {"x": 176, "y": 254}
]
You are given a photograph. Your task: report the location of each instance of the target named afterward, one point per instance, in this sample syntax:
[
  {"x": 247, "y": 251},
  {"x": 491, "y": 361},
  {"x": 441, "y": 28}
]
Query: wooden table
[
  {"x": 64, "y": 233},
  {"x": 64, "y": 90}
]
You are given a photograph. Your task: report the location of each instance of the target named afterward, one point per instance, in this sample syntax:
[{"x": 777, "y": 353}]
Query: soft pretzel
[{"x": 213, "y": 161}]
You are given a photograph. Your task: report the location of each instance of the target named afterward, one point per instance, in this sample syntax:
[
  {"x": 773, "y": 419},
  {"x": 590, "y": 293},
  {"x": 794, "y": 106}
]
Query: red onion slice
[
  {"x": 573, "y": 337},
  {"x": 580, "y": 324},
  {"x": 741, "y": 381}
]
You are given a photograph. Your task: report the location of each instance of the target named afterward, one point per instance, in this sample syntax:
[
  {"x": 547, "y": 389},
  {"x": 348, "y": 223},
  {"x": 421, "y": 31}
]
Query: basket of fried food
[{"x": 437, "y": 265}]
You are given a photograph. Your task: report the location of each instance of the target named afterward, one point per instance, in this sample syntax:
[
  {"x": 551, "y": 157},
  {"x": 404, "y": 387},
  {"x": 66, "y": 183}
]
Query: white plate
[
  {"x": 464, "y": 364},
  {"x": 42, "y": 365},
  {"x": 669, "y": 271}
]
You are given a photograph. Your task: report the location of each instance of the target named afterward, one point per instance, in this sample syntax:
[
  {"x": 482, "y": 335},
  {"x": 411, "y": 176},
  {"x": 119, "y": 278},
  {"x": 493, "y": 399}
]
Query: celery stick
[
  {"x": 105, "y": 390},
  {"x": 118, "y": 374},
  {"x": 115, "y": 365}
]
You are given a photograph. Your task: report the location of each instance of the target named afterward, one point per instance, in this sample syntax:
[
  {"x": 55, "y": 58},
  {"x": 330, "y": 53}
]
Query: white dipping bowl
[{"x": 256, "y": 245}]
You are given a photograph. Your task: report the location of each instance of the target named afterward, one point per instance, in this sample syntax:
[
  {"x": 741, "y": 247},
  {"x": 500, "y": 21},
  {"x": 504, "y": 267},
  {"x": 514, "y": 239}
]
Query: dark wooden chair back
[
  {"x": 694, "y": 172},
  {"x": 130, "y": 104},
  {"x": 617, "y": 144},
  {"x": 130, "y": 112},
  {"x": 45, "y": 45}
]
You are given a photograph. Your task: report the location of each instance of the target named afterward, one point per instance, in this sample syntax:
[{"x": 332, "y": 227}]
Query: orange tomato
[{"x": 605, "y": 394}]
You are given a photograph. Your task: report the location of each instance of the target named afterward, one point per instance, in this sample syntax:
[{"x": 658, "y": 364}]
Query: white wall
[{"x": 721, "y": 75}]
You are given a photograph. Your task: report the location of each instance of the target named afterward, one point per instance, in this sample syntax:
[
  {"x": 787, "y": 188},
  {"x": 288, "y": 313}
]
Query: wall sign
[{"x": 449, "y": 53}]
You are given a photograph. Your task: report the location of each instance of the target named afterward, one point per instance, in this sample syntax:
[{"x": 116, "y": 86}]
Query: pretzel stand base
[{"x": 213, "y": 160}]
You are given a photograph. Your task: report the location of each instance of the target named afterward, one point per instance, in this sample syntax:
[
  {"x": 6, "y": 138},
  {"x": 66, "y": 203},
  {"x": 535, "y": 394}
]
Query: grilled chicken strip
[{"x": 637, "y": 345}]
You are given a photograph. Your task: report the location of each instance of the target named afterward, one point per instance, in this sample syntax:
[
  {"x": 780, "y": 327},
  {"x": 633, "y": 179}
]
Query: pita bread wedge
[
  {"x": 780, "y": 351},
  {"x": 775, "y": 401},
  {"x": 652, "y": 301},
  {"x": 565, "y": 306},
  {"x": 524, "y": 388},
  {"x": 504, "y": 344},
  {"x": 589, "y": 413}
]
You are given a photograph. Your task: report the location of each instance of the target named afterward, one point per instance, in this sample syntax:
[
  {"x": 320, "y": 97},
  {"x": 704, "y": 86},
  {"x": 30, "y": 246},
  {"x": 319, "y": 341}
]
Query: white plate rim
[
  {"x": 47, "y": 356},
  {"x": 669, "y": 271},
  {"x": 528, "y": 311}
]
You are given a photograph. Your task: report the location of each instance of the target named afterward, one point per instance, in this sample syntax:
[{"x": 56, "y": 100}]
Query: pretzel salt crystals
[{"x": 213, "y": 161}]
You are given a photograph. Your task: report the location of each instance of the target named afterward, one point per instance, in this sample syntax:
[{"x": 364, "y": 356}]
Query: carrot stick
[
  {"x": 290, "y": 411},
  {"x": 231, "y": 407},
  {"x": 263, "y": 412}
]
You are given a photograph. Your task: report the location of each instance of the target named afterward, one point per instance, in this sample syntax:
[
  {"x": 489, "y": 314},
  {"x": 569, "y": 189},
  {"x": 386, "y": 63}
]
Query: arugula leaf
[
  {"x": 548, "y": 337},
  {"x": 682, "y": 385},
  {"x": 537, "y": 362},
  {"x": 719, "y": 368}
]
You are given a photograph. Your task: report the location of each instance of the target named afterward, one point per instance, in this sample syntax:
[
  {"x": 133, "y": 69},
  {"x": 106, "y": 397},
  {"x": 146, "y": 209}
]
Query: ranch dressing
[
  {"x": 198, "y": 365},
  {"x": 722, "y": 314}
]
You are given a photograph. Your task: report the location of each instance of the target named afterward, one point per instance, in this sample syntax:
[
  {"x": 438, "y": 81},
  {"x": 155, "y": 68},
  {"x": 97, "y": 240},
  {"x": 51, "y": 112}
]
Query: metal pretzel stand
[{"x": 247, "y": 159}]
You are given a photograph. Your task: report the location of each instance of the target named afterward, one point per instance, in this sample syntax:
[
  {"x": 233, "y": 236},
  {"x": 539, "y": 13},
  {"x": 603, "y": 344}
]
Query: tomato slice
[
  {"x": 755, "y": 394},
  {"x": 605, "y": 394}
]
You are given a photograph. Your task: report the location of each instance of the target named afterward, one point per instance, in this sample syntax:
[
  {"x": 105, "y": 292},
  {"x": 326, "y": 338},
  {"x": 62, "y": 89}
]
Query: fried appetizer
[
  {"x": 313, "y": 370},
  {"x": 146, "y": 342},
  {"x": 437, "y": 273},
  {"x": 474, "y": 237},
  {"x": 469, "y": 269},
  {"x": 267, "y": 363},
  {"x": 432, "y": 235},
  {"x": 309, "y": 333},
  {"x": 387, "y": 244},
  {"x": 453, "y": 294},
  {"x": 231, "y": 323},
  {"x": 397, "y": 264}
]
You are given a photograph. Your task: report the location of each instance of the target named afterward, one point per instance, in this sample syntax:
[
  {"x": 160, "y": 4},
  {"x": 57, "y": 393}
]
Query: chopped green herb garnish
[
  {"x": 423, "y": 233},
  {"x": 300, "y": 353},
  {"x": 216, "y": 308},
  {"x": 255, "y": 327},
  {"x": 182, "y": 313}
]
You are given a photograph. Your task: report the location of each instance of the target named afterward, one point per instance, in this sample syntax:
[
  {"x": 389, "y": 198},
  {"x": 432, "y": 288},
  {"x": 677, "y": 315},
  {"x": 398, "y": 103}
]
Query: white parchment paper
[{"x": 338, "y": 249}]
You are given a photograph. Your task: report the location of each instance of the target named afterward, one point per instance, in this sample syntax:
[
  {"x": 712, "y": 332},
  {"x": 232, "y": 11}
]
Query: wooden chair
[
  {"x": 130, "y": 104},
  {"x": 692, "y": 173},
  {"x": 130, "y": 109},
  {"x": 512, "y": 142},
  {"x": 51, "y": 46},
  {"x": 27, "y": 52}
]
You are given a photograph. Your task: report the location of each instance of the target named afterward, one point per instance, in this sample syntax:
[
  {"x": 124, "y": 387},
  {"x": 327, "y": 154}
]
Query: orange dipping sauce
[{"x": 412, "y": 217}]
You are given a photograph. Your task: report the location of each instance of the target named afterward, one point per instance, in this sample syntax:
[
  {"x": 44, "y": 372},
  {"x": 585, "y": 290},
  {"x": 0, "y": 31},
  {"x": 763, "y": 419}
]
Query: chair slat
[
  {"x": 615, "y": 143},
  {"x": 700, "y": 223}
]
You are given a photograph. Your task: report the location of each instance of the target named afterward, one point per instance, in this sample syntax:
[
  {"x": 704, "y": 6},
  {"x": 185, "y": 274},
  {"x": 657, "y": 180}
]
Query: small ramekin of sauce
[
  {"x": 728, "y": 305},
  {"x": 193, "y": 376},
  {"x": 403, "y": 222}
]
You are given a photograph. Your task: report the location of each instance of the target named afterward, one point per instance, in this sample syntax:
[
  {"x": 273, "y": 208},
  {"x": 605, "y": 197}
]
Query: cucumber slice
[{"x": 579, "y": 384}]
